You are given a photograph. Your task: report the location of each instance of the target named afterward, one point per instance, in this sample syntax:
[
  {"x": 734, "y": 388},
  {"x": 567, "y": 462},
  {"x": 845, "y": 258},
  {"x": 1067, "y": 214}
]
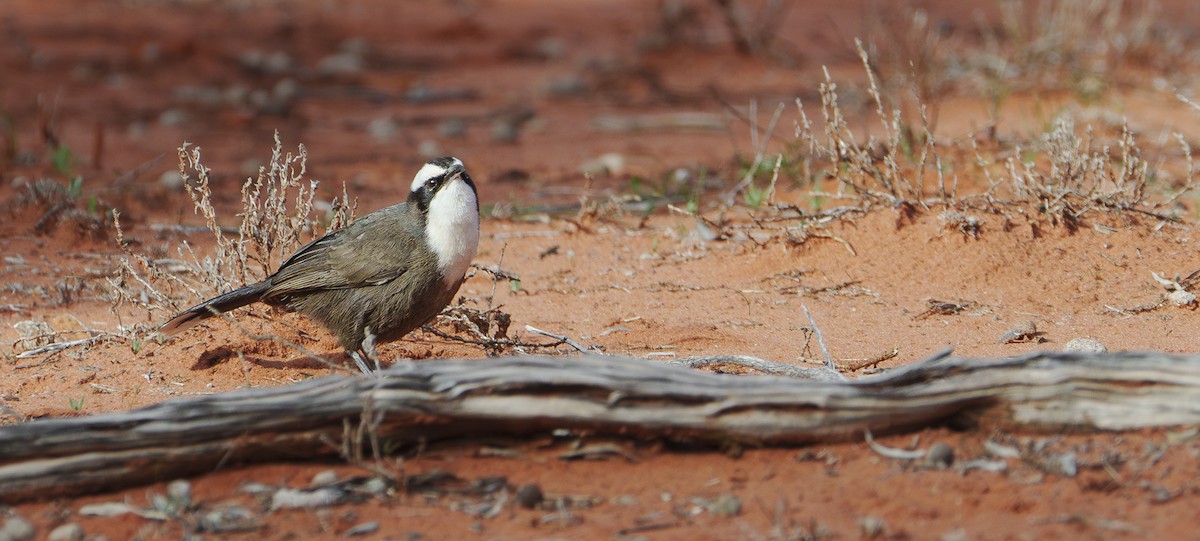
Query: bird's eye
[{"x": 432, "y": 183}]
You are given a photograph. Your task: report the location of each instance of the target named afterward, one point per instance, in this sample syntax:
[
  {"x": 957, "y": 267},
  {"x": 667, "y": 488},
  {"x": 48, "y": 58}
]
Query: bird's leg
[
  {"x": 368, "y": 347},
  {"x": 358, "y": 361}
]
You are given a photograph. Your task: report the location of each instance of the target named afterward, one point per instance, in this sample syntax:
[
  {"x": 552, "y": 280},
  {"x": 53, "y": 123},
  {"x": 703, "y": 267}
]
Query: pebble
[
  {"x": 327, "y": 477},
  {"x": 227, "y": 519},
  {"x": 429, "y": 148},
  {"x": 179, "y": 492},
  {"x": 382, "y": 129},
  {"x": 171, "y": 179},
  {"x": 1066, "y": 464},
  {"x": 940, "y": 456},
  {"x": 16, "y": 528},
  {"x": 344, "y": 63},
  {"x": 363, "y": 529},
  {"x": 530, "y": 496},
  {"x": 871, "y": 527},
  {"x": 67, "y": 532},
  {"x": 453, "y": 127},
  {"x": 1085, "y": 345},
  {"x": 287, "y": 498},
  {"x": 1181, "y": 298},
  {"x": 376, "y": 486},
  {"x": 611, "y": 164}
]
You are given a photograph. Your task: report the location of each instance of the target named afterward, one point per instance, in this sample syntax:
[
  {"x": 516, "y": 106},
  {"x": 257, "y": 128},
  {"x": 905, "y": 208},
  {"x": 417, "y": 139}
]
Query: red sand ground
[{"x": 122, "y": 84}]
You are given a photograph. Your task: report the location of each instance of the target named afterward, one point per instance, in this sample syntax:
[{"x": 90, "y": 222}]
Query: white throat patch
[{"x": 452, "y": 227}]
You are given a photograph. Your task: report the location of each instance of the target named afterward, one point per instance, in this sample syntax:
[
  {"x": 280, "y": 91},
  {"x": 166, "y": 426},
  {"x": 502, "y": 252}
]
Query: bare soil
[{"x": 525, "y": 92}]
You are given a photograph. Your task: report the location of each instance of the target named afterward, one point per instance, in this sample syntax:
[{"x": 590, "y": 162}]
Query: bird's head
[
  {"x": 448, "y": 199},
  {"x": 446, "y": 181}
]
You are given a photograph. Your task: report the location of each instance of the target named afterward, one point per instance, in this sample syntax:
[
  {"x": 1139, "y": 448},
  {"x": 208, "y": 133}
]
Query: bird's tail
[{"x": 216, "y": 305}]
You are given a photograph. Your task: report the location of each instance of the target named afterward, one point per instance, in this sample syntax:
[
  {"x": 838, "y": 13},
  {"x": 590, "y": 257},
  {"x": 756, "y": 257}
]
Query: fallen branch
[{"x": 606, "y": 396}]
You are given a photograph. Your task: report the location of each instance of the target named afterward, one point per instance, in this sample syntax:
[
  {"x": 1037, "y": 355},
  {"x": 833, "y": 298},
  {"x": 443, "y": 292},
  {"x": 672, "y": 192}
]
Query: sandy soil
[{"x": 527, "y": 92}]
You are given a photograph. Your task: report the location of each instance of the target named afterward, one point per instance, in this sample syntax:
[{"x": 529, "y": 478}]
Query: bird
[{"x": 385, "y": 274}]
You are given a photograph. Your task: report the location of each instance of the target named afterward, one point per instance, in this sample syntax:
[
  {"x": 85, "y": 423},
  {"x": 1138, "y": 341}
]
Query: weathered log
[{"x": 604, "y": 395}]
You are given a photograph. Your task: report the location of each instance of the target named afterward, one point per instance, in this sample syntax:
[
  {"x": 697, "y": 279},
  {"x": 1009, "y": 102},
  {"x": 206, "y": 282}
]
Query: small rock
[
  {"x": 1085, "y": 345},
  {"x": 343, "y": 63},
  {"x": 363, "y": 529},
  {"x": 67, "y": 532},
  {"x": 429, "y": 148},
  {"x": 505, "y": 130},
  {"x": 1160, "y": 495},
  {"x": 286, "y": 89},
  {"x": 327, "y": 477},
  {"x": 1066, "y": 464},
  {"x": 179, "y": 492},
  {"x": 382, "y": 129},
  {"x": 551, "y": 47},
  {"x": 16, "y": 528},
  {"x": 227, "y": 519},
  {"x": 569, "y": 85},
  {"x": 171, "y": 179},
  {"x": 939, "y": 456},
  {"x": 611, "y": 164},
  {"x": 173, "y": 117},
  {"x": 1181, "y": 298},
  {"x": 376, "y": 486},
  {"x": 287, "y": 498},
  {"x": 871, "y": 527},
  {"x": 530, "y": 496},
  {"x": 358, "y": 46},
  {"x": 452, "y": 127}
]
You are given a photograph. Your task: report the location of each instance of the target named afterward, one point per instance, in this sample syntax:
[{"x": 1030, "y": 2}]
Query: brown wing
[{"x": 371, "y": 251}]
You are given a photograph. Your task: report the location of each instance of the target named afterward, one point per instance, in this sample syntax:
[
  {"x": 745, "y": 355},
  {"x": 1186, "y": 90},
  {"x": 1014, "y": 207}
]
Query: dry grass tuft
[
  {"x": 277, "y": 217},
  {"x": 1062, "y": 174}
]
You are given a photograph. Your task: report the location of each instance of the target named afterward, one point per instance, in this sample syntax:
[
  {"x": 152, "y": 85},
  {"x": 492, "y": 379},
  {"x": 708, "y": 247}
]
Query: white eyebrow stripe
[{"x": 431, "y": 170}]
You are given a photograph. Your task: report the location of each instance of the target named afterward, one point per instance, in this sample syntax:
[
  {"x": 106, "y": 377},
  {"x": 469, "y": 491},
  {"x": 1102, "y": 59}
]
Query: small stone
[
  {"x": 871, "y": 527},
  {"x": 505, "y": 130},
  {"x": 227, "y": 519},
  {"x": 16, "y": 528},
  {"x": 530, "y": 496},
  {"x": 171, "y": 179},
  {"x": 276, "y": 62},
  {"x": 67, "y": 532},
  {"x": 453, "y": 127},
  {"x": 1085, "y": 345},
  {"x": 173, "y": 117},
  {"x": 1067, "y": 465},
  {"x": 382, "y": 129},
  {"x": 343, "y": 63},
  {"x": 939, "y": 456},
  {"x": 569, "y": 85},
  {"x": 287, "y": 498},
  {"x": 376, "y": 486},
  {"x": 286, "y": 89},
  {"x": 179, "y": 492},
  {"x": 327, "y": 477},
  {"x": 429, "y": 148},
  {"x": 363, "y": 529},
  {"x": 610, "y": 164},
  {"x": 1181, "y": 298}
]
